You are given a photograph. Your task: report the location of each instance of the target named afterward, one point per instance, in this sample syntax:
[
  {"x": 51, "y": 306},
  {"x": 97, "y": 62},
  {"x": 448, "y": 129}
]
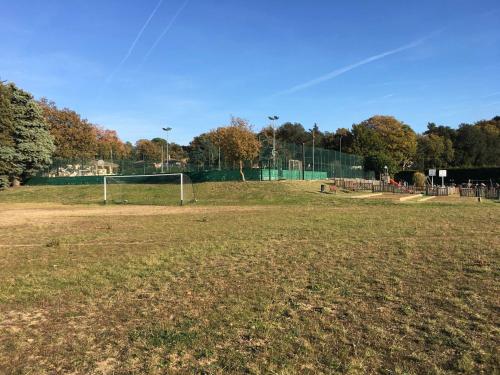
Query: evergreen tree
[
  {"x": 33, "y": 144},
  {"x": 7, "y": 150}
]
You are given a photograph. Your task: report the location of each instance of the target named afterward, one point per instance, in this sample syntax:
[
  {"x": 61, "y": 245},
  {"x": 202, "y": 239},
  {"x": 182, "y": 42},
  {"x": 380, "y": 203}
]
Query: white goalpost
[
  {"x": 148, "y": 189},
  {"x": 295, "y": 166}
]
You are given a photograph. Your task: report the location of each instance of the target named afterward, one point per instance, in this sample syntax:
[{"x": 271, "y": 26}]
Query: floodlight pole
[
  {"x": 341, "y": 157},
  {"x": 162, "y": 157},
  {"x": 219, "y": 157},
  {"x": 303, "y": 161},
  {"x": 313, "y": 136},
  {"x": 274, "y": 118},
  {"x": 167, "y": 129}
]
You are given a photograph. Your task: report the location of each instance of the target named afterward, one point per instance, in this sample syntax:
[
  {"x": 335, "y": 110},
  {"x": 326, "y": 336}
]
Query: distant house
[
  {"x": 86, "y": 168},
  {"x": 103, "y": 168}
]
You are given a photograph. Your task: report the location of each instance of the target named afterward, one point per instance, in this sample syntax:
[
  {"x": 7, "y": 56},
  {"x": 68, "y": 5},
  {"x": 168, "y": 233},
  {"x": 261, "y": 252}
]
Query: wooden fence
[
  {"x": 480, "y": 191},
  {"x": 354, "y": 185},
  {"x": 389, "y": 188},
  {"x": 438, "y": 191}
]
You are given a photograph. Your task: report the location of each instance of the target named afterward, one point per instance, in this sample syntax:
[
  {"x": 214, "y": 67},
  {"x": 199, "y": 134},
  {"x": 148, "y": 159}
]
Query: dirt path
[{"x": 27, "y": 213}]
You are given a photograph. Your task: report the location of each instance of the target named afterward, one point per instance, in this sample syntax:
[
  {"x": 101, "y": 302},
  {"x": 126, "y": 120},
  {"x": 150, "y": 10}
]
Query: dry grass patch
[{"x": 342, "y": 288}]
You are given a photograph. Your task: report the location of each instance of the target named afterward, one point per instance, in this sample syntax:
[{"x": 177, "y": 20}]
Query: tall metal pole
[
  {"x": 313, "y": 152},
  {"x": 273, "y": 119},
  {"x": 303, "y": 161},
  {"x": 162, "y": 158},
  {"x": 341, "y": 173},
  {"x": 167, "y": 129},
  {"x": 274, "y": 146},
  {"x": 168, "y": 157}
]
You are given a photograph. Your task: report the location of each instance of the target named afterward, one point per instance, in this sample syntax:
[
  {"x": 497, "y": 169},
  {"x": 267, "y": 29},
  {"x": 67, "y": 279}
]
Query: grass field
[{"x": 253, "y": 278}]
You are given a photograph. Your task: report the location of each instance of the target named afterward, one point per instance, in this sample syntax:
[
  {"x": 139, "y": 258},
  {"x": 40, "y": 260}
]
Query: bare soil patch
[{"x": 21, "y": 213}]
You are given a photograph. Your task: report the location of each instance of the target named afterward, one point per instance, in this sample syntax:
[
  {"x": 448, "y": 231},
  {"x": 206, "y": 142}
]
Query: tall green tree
[
  {"x": 202, "y": 152},
  {"x": 478, "y": 144},
  {"x": 441, "y": 130},
  {"x": 293, "y": 133},
  {"x": 7, "y": 149},
  {"x": 33, "y": 144},
  {"x": 317, "y": 134},
  {"x": 385, "y": 137},
  {"x": 332, "y": 141},
  {"x": 377, "y": 161},
  {"x": 434, "y": 151}
]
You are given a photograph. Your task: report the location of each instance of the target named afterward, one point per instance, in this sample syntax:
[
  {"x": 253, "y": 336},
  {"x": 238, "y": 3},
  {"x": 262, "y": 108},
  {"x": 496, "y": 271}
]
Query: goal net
[
  {"x": 158, "y": 189},
  {"x": 295, "y": 168}
]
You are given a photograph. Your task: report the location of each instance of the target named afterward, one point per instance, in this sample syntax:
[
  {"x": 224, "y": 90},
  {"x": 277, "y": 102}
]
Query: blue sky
[{"x": 136, "y": 66}]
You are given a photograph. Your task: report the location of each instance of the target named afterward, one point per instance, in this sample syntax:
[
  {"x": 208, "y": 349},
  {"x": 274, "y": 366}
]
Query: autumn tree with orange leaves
[
  {"x": 238, "y": 142},
  {"x": 109, "y": 146},
  {"x": 74, "y": 137}
]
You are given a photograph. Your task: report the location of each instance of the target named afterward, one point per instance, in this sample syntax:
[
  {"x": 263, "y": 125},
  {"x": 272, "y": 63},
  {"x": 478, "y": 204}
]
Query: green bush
[{"x": 4, "y": 182}]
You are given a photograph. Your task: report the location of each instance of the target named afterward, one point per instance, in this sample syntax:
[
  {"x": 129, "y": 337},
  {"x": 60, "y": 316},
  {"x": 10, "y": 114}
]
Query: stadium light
[
  {"x": 341, "y": 174},
  {"x": 313, "y": 136},
  {"x": 274, "y": 118},
  {"x": 167, "y": 129}
]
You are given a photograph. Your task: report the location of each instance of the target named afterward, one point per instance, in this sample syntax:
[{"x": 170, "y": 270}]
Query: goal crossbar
[{"x": 144, "y": 175}]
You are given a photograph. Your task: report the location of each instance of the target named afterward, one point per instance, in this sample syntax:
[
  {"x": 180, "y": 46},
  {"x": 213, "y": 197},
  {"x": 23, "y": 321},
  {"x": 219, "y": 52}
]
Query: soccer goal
[
  {"x": 295, "y": 169},
  {"x": 156, "y": 189}
]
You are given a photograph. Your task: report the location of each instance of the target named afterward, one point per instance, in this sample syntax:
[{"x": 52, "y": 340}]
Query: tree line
[
  {"x": 384, "y": 141},
  {"x": 34, "y": 132}
]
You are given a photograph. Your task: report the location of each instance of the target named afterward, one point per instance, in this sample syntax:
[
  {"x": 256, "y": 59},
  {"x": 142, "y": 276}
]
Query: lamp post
[
  {"x": 341, "y": 173},
  {"x": 273, "y": 119},
  {"x": 167, "y": 129},
  {"x": 313, "y": 136},
  {"x": 218, "y": 149}
]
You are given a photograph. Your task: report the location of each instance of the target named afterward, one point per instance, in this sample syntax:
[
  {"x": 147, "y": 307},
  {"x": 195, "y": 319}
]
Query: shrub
[
  {"x": 4, "y": 182},
  {"x": 419, "y": 179}
]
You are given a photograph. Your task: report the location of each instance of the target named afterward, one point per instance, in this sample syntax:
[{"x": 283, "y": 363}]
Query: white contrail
[
  {"x": 132, "y": 46},
  {"x": 347, "y": 68},
  {"x": 165, "y": 31}
]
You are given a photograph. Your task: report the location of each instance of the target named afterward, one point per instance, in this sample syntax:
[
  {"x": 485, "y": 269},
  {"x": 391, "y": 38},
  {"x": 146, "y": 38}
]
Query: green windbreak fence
[
  {"x": 283, "y": 162},
  {"x": 254, "y": 174},
  {"x": 297, "y": 162}
]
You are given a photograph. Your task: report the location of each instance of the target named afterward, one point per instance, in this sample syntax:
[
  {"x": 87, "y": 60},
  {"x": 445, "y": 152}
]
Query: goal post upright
[
  {"x": 182, "y": 188},
  {"x": 105, "y": 191},
  {"x": 181, "y": 177}
]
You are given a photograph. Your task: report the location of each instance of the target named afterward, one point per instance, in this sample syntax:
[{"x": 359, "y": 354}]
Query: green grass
[
  {"x": 287, "y": 281},
  {"x": 226, "y": 193},
  {"x": 207, "y": 194}
]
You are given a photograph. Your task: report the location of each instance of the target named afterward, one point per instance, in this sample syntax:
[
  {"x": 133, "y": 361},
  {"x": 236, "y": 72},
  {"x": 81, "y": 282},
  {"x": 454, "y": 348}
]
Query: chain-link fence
[
  {"x": 304, "y": 162},
  {"x": 281, "y": 161}
]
